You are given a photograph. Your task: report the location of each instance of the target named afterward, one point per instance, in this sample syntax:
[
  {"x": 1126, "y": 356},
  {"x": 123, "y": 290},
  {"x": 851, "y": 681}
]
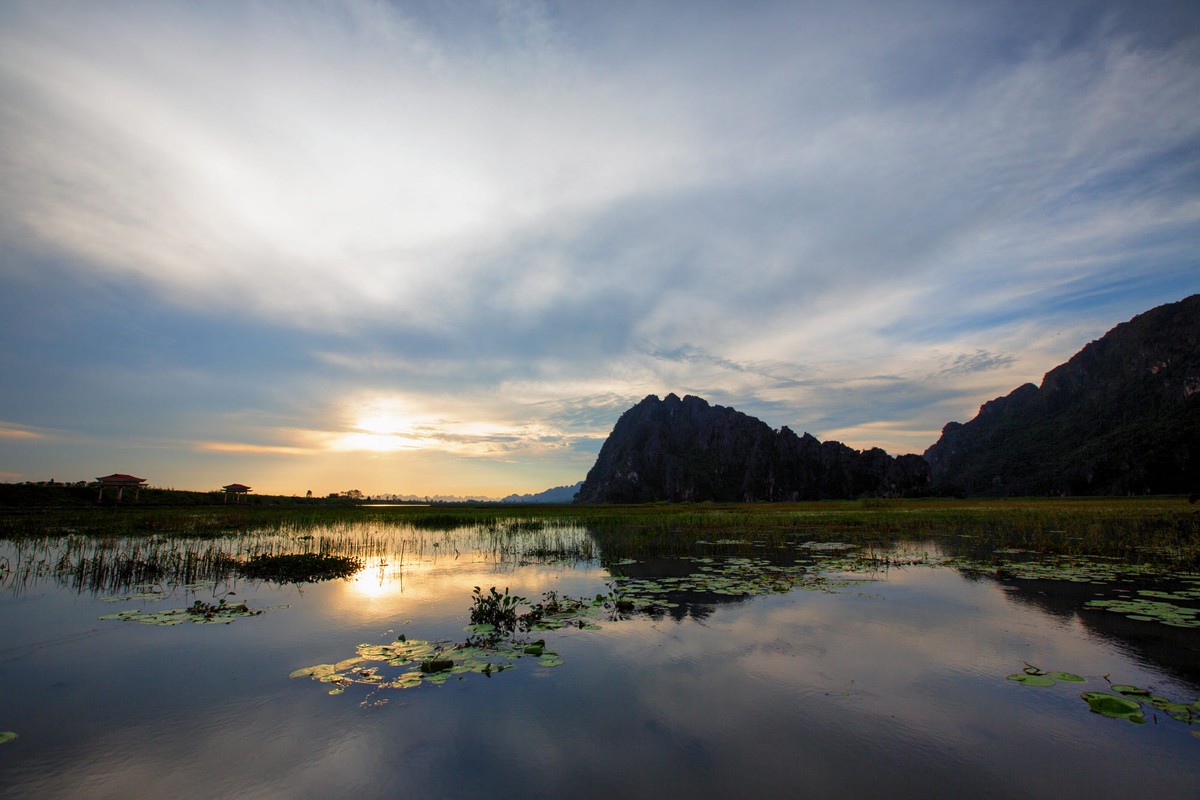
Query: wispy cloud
[
  {"x": 979, "y": 361},
  {"x": 9, "y": 430},
  {"x": 224, "y": 223},
  {"x": 256, "y": 449}
]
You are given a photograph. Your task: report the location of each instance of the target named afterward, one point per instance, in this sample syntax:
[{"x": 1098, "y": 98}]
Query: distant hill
[
  {"x": 559, "y": 494},
  {"x": 1122, "y": 416},
  {"x": 687, "y": 450}
]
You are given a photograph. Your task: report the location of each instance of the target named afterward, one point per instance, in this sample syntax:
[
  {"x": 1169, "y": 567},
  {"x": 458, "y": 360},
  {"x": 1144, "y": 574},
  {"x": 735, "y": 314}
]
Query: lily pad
[
  {"x": 1115, "y": 706},
  {"x": 1066, "y": 676},
  {"x": 199, "y": 612},
  {"x": 1032, "y": 680},
  {"x": 7, "y": 736},
  {"x": 303, "y": 671}
]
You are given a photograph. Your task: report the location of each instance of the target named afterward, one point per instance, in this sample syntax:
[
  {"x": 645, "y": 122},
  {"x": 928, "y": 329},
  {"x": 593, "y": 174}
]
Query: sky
[{"x": 436, "y": 248}]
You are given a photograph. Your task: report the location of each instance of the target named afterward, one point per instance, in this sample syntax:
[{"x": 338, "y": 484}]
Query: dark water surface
[{"x": 889, "y": 687}]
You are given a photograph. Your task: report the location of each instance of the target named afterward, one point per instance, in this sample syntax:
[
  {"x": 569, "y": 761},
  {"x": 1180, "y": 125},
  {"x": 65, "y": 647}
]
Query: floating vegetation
[
  {"x": 1179, "y": 609},
  {"x": 1076, "y": 569},
  {"x": 1032, "y": 676},
  {"x": 1032, "y": 680},
  {"x": 199, "y": 612},
  {"x": 147, "y": 593},
  {"x": 1115, "y": 706},
  {"x": 493, "y": 644},
  {"x": 826, "y": 547},
  {"x": 7, "y": 736},
  {"x": 556, "y": 613},
  {"x": 299, "y": 567},
  {"x": 730, "y": 577},
  {"x": 409, "y": 663},
  {"x": 1122, "y": 701},
  {"x": 498, "y": 618}
]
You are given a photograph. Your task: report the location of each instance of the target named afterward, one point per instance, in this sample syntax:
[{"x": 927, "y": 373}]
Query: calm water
[{"x": 889, "y": 687}]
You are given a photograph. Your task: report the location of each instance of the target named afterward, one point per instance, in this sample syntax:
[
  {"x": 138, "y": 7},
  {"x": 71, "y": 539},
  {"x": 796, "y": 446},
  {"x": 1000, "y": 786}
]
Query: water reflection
[
  {"x": 111, "y": 565},
  {"x": 1176, "y": 651},
  {"x": 885, "y": 677}
]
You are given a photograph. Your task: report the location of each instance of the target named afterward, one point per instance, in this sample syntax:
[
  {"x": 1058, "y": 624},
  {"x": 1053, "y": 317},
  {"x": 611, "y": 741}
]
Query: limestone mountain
[
  {"x": 1122, "y": 416},
  {"x": 687, "y": 450}
]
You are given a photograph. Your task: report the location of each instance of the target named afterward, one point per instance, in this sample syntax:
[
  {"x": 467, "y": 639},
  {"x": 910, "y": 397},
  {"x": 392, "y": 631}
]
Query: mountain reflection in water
[{"x": 736, "y": 670}]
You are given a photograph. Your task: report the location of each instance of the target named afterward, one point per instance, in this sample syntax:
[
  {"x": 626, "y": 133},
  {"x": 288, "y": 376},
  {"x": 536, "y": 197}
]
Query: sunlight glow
[
  {"x": 384, "y": 423},
  {"x": 376, "y": 582},
  {"x": 374, "y": 442}
]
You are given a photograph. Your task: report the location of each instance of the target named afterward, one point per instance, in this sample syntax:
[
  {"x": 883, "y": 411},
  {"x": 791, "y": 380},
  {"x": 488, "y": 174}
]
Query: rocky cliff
[
  {"x": 687, "y": 450},
  {"x": 1121, "y": 417}
]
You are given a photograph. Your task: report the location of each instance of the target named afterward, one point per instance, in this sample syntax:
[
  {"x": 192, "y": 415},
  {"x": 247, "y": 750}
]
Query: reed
[{"x": 107, "y": 549}]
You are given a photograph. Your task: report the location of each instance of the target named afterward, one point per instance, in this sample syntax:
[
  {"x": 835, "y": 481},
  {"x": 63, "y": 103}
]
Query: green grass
[{"x": 1160, "y": 527}]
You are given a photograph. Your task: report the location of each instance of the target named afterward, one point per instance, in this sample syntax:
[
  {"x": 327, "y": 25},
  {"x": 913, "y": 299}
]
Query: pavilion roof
[
  {"x": 236, "y": 487},
  {"x": 120, "y": 477}
]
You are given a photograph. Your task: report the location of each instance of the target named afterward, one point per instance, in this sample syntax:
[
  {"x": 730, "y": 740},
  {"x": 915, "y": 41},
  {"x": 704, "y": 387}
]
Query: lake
[{"x": 795, "y": 668}]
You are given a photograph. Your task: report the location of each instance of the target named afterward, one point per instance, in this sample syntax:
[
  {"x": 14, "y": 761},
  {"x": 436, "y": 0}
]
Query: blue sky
[{"x": 438, "y": 247}]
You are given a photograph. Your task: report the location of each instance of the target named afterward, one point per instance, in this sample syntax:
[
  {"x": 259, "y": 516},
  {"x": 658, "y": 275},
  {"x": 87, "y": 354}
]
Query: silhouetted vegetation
[{"x": 299, "y": 567}]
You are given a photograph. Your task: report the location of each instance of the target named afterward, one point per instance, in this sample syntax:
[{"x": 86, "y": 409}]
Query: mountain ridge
[
  {"x": 1121, "y": 416},
  {"x": 683, "y": 449},
  {"x": 557, "y": 494}
]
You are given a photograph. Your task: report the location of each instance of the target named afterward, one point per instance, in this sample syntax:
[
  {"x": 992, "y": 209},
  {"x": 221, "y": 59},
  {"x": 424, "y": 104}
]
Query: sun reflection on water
[{"x": 376, "y": 582}]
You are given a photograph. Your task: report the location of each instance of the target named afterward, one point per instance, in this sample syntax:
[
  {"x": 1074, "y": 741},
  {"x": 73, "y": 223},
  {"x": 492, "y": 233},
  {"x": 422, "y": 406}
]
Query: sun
[
  {"x": 383, "y": 424},
  {"x": 382, "y": 428}
]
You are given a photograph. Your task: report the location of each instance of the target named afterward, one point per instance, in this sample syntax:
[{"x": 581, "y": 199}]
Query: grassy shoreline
[{"x": 1108, "y": 524}]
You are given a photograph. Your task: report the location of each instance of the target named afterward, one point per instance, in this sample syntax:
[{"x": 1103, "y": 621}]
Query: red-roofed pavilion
[
  {"x": 120, "y": 482},
  {"x": 237, "y": 490}
]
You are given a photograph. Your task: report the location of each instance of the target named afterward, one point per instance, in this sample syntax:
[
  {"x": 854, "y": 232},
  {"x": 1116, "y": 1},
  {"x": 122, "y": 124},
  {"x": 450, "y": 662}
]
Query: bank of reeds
[{"x": 124, "y": 547}]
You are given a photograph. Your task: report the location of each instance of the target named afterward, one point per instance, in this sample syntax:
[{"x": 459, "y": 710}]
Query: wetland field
[{"x": 909, "y": 648}]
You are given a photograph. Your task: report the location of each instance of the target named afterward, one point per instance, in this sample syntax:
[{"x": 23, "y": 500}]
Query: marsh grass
[
  {"x": 109, "y": 550},
  {"x": 299, "y": 567},
  {"x": 289, "y": 552},
  {"x": 1161, "y": 530}
]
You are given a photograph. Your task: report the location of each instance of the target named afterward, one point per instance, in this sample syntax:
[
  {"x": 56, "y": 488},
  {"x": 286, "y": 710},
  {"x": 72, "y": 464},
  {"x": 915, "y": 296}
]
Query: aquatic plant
[
  {"x": 199, "y": 612},
  {"x": 1111, "y": 705},
  {"x": 1178, "y": 609},
  {"x": 496, "y": 609},
  {"x": 1122, "y": 701},
  {"x": 498, "y": 618},
  {"x": 1032, "y": 676},
  {"x": 1161, "y": 528},
  {"x": 299, "y": 567},
  {"x": 7, "y": 736},
  {"x": 409, "y": 663}
]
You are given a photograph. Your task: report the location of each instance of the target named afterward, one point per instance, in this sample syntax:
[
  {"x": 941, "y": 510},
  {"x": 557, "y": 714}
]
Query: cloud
[
  {"x": 330, "y": 164},
  {"x": 979, "y": 361},
  {"x": 10, "y": 430},
  {"x": 842, "y": 218},
  {"x": 352, "y": 160},
  {"x": 257, "y": 449}
]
